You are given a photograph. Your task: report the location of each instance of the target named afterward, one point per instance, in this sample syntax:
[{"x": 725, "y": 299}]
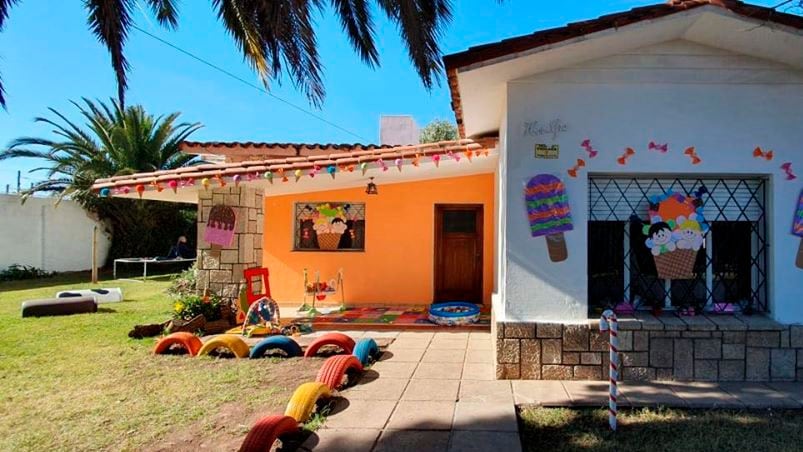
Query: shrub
[
  {"x": 184, "y": 283},
  {"x": 189, "y": 306},
  {"x": 17, "y": 272}
]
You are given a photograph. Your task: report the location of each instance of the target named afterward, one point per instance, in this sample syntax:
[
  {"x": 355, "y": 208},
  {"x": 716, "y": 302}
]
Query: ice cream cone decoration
[
  {"x": 269, "y": 176},
  {"x": 363, "y": 167},
  {"x": 398, "y": 163},
  {"x": 205, "y": 183},
  {"x": 173, "y": 184},
  {"x": 675, "y": 233},
  {"x": 437, "y": 160},
  {"x": 140, "y": 190},
  {"x": 469, "y": 154},
  {"x": 382, "y": 164},
  {"x": 297, "y": 174},
  {"x": 548, "y": 213},
  {"x": 331, "y": 169}
]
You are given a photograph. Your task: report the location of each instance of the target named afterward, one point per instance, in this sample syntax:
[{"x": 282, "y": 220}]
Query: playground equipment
[
  {"x": 266, "y": 431},
  {"x": 337, "y": 339},
  {"x": 336, "y": 368},
  {"x": 233, "y": 343},
  {"x": 366, "y": 350},
  {"x": 188, "y": 341},
  {"x": 111, "y": 295},
  {"x": 454, "y": 313},
  {"x": 319, "y": 290},
  {"x": 283, "y": 343},
  {"x": 58, "y": 306},
  {"x": 304, "y": 399}
]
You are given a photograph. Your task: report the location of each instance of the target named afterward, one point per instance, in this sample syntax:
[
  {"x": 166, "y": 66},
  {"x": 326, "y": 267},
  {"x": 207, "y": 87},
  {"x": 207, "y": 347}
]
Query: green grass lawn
[
  {"x": 78, "y": 382},
  {"x": 563, "y": 429}
]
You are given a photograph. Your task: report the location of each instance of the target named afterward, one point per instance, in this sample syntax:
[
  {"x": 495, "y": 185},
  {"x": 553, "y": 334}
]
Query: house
[{"x": 610, "y": 117}]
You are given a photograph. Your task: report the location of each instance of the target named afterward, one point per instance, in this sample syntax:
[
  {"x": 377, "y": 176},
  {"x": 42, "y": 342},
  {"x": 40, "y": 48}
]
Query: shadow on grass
[{"x": 662, "y": 429}]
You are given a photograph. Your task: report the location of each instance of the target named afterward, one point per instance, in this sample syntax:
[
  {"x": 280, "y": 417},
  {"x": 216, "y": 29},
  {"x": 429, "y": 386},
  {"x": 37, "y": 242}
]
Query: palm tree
[
  {"x": 114, "y": 141},
  {"x": 272, "y": 34}
]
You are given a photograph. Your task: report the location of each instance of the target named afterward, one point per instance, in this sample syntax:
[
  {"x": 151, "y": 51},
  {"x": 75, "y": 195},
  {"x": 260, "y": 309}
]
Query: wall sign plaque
[{"x": 547, "y": 151}]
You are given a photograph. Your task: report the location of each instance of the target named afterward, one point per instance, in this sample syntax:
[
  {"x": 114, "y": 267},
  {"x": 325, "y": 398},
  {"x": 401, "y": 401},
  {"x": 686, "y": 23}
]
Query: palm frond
[
  {"x": 110, "y": 20},
  {"x": 355, "y": 17},
  {"x": 166, "y": 12},
  {"x": 240, "y": 25},
  {"x": 5, "y": 7}
]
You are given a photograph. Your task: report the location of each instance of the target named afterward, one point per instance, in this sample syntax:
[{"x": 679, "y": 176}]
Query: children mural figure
[
  {"x": 263, "y": 311},
  {"x": 689, "y": 235},
  {"x": 660, "y": 238}
]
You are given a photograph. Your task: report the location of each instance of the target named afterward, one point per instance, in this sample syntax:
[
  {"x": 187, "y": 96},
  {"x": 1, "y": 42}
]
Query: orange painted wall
[{"x": 397, "y": 265}]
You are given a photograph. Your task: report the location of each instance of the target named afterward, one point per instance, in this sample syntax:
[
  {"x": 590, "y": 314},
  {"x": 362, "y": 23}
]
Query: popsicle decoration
[
  {"x": 797, "y": 229},
  {"x": 220, "y": 226},
  {"x": 548, "y": 213}
]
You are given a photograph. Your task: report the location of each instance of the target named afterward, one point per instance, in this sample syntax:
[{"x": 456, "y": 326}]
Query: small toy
[
  {"x": 548, "y": 213},
  {"x": 264, "y": 311}
]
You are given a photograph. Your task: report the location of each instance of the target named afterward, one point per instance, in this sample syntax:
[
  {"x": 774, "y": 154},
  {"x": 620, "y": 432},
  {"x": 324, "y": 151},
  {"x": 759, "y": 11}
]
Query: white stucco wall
[
  {"x": 48, "y": 237},
  {"x": 679, "y": 93}
]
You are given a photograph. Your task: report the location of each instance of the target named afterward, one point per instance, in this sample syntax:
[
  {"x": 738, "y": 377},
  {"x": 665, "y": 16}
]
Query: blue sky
[{"x": 48, "y": 57}]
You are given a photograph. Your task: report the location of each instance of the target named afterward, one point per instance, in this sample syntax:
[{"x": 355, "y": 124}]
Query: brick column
[{"x": 223, "y": 272}]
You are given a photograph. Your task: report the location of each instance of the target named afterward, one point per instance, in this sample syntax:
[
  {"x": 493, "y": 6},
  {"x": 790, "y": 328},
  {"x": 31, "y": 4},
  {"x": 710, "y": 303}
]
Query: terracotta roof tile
[
  {"x": 289, "y": 164},
  {"x": 509, "y": 46}
]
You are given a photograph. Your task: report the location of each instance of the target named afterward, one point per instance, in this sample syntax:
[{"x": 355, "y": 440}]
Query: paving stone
[
  {"x": 793, "y": 391},
  {"x": 415, "y": 415},
  {"x": 708, "y": 348},
  {"x": 480, "y": 344},
  {"x": 485, "y": 416},
  {"x": 639, "y": 394},
  {"x": 782, "y": 364},
  {"x": 508, "y": 351},
  {"x": 444, "y": 356},
  {"x": 412, "y": 441},
  {"x": 542, "y": 392},
  {"x": 439, "y": 371},
  {"x": 683, "y": 366},
  {"x": 758, "y": 396},
  {"x": 598, "y": 342},
  {"x": 423, "y": 389},
  {"x": 575, "y": 337},
  {"x": 587, "y": 393},
  {"x": 768, "y": 339},
  {"x": 452, "y": 336},
  {"x": 638, "y": 374},
  {"x": 571, "y": 358},
  {"x": 704, "y": 395},
  {"x": 758, "y": 364},
  {"x": 732, "y": 351},
  {"x": 706, "y": 370},
  {"x": 480, "y": 356},
  {"x": 391, "y": 369},
  {"x": 345, "y": 440},
  {"x": 520, "y": 330},
  {"x": 471, "y": 441},
  {"x": 641, "y": 341},
  {"x": 409, "y": 343},
  {"x": 556, "y": 372},
  {"x": 731, "y": 370},
  {"x": 479, "y": 371},
  {"x": 403, "y": 355},
  {"x": 549, "y": 330},
  {"x": 508, "y": 371},
  {"x": 796, "y": 336},
  {"x": 590, "y": 358},
  {"x": 486, "y": 391},
  {"x": 377, "y": 389},
  {"x": 661, "y": 352},
  {"x": 635, "y": 359},
  {"x": 587, "y": 373},
  {"x": 452, "y": 344},
  {"x": 551, "y": 351},
  {"x": 428, "y": 335},
  {"x": 353, "y": 413}
]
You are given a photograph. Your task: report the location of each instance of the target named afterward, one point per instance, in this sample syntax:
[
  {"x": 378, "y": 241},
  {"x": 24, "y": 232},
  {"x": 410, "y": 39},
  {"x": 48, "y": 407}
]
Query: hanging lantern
[
  {"x": 371, "y": 188},
  {"x": 140, "y": 190},
  {"x": 173, "y": 184},
  {"x": 331, "y": 170}
]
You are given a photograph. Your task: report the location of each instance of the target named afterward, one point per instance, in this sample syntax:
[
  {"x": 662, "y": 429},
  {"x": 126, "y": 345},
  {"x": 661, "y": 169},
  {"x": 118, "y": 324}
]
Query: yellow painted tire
[
  {"x": 303, "y": 401},
  {"x": 231, "y": 342}
]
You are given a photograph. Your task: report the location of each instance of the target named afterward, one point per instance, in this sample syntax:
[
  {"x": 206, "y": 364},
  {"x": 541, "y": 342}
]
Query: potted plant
[{"x": 193, "y": 312}]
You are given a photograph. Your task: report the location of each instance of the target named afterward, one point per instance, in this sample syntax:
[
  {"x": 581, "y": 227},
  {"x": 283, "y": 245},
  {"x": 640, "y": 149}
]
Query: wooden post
[{"x": 95, "y": 254}]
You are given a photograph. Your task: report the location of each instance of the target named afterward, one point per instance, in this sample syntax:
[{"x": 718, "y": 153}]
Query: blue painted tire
[
  {"x": 283, "y": 343},
  {"x": 365, "y": 350},
  {"x": 454, "y": 313}
]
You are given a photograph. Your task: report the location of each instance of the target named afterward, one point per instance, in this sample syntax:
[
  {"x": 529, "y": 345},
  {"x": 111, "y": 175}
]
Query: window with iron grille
[{"x": 730, "y": 273}]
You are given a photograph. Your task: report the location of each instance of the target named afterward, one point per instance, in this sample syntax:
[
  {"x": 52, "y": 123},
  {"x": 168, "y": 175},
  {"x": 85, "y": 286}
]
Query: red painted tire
[
  {"x": 335, "y": 368},
  {"x": 338, "y": 339},
  {"x": 266, "y": 431},
  {"x": 189, "y": 341}
]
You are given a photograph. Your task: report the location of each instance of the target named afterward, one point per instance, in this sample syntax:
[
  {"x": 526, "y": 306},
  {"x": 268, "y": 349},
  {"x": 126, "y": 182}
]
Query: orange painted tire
[
  {"x": 229, "y": 341},
  {"x": 335, "y": 368},
  {"x": 266, "y": 431},
  {"x": 302, "y": 403},
  {"x": 189, "y": 341},
  {"x": 338, "y": 339}
]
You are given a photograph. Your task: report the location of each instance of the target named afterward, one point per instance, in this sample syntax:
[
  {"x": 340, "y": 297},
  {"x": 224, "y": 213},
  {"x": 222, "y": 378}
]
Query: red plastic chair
[{"x": 250, "y": 274}]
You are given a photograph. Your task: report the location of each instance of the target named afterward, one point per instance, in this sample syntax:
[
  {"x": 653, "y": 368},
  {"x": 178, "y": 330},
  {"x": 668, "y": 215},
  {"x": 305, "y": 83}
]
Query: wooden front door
[{"x": 458, "y": 252}]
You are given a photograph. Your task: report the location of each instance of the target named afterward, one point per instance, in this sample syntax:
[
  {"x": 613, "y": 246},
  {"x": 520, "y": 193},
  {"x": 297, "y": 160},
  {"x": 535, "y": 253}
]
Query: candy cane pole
[{"x": 609, "y": 323}]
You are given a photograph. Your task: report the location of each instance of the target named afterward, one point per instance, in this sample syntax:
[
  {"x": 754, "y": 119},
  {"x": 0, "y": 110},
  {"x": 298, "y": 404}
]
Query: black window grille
[{"x": 730, "y": 272}]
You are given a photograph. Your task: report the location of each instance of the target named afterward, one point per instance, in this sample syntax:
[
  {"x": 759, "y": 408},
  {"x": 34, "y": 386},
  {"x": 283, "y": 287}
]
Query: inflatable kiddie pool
[{"x": 454, "y": 313}]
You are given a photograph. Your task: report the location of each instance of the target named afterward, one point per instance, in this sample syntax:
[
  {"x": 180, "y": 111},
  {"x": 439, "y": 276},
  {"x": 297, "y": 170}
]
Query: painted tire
[
  {"x": 454, "y": 313},
  {"x": 189, "y": 341},
  {"x": 231, "y": 342},
  {"x": 338, "y": 339},
  {"x": 365, "y": 350},
  {"x": 335, "y": 368},
  {"x": 303, "y": 401},
  {"x": 283, "y": 343},
  {"x": 266, "y": 431}
]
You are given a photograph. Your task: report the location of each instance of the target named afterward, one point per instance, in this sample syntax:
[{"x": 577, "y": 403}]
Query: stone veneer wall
[
  {"x": 721, "y": 348},
  {"x": 222, "y": 272}
]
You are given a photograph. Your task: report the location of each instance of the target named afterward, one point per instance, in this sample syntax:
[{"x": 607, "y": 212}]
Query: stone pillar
[{"x": 222, "y": 272}]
